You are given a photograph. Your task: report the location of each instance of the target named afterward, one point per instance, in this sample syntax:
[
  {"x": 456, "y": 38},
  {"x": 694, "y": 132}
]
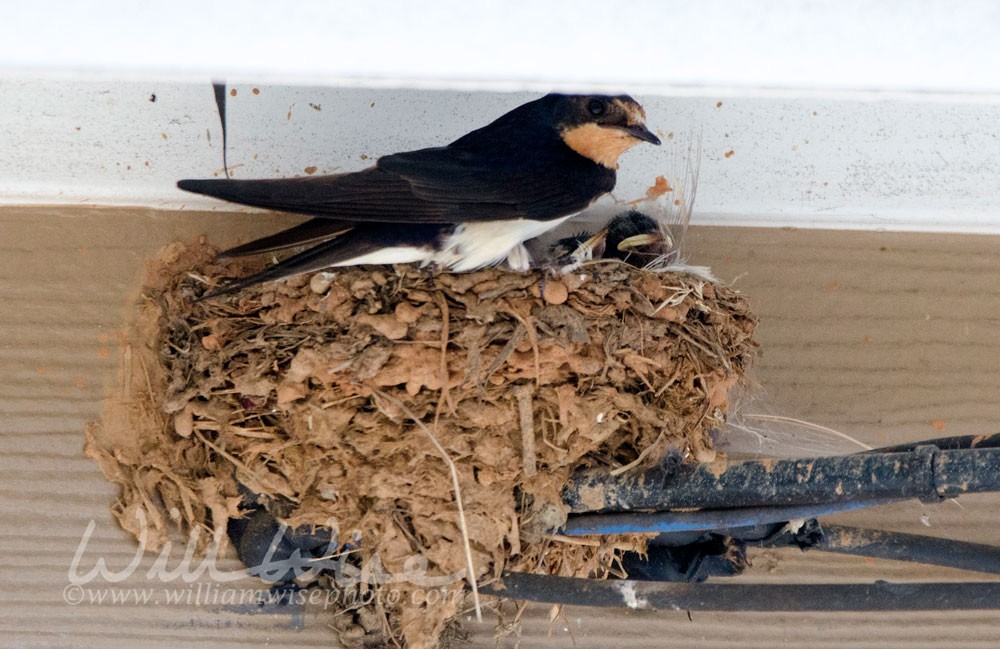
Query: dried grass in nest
[{"x": 316, "y": 392}]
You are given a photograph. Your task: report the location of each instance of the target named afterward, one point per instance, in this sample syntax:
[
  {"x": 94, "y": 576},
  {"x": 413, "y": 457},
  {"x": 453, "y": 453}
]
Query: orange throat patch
[{"x": 602, "y": 144}]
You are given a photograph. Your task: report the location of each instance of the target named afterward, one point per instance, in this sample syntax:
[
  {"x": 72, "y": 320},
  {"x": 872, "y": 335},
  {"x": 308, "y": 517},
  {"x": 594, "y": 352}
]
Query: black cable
[
  {"x": 703, "y": 519},
  {"x": 910, "y": 547},
  {"x": 926, "y": 472},
  {"x": 646, "y": 595}
]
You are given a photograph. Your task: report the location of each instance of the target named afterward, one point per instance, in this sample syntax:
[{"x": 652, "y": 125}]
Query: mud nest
[{"x": 332, "y": 397}]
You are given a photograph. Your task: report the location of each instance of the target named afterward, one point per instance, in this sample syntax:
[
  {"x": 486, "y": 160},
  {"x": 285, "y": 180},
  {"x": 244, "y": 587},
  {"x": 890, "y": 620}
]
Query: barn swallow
[
  {"x": 577, "y": 249},
  {"x": 636, "y": 239},
  {"x": 632, "y": 237},
  {"x": 459, "y": 207}
]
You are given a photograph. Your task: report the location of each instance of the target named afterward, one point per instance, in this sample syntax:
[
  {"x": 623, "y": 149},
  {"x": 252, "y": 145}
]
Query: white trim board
[
  {"x": 922, "y": 45},
  {"x": 864, "y": 161}
]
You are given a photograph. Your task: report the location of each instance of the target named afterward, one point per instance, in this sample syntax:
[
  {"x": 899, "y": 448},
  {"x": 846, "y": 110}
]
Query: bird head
[
  {"x": 635, "y": 238},
  {"x": 602, "y": 127}
]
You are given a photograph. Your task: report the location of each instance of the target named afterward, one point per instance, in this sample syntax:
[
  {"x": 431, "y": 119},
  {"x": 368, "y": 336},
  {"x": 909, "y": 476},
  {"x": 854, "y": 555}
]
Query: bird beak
[
  {"x": 646, "y": 239},
  {"x": 595, "y": 244},
  {"x": 639, "y": 131}
]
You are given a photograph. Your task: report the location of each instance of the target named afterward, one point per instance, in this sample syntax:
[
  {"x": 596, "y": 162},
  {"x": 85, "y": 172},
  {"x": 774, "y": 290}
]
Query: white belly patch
[
  {"x": 487, "y": 243},
  {"x": 472, "y": 246}
]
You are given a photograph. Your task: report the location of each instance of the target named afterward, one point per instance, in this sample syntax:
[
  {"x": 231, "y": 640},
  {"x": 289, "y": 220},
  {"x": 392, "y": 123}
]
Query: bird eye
[{"x": 596, "y": 107}]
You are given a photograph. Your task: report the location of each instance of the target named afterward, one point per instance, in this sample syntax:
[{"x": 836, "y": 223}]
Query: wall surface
[{"x": 868, "y": 162}]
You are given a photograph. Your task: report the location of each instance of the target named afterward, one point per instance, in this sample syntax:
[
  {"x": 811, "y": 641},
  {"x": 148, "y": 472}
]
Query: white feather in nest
[{"x": 755, "y": 429}]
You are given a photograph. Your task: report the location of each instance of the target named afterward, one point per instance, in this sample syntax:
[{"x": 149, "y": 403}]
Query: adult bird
[{"x": 459, "y": 207}]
